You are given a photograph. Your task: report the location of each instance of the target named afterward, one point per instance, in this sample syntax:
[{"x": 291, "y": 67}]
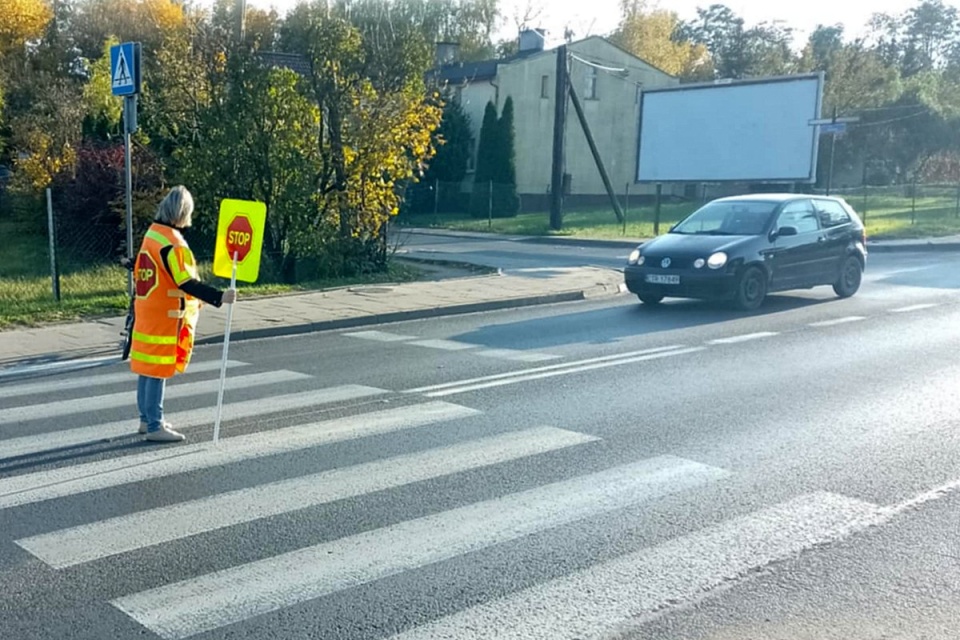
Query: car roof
[{"x": 772, "y": 197}]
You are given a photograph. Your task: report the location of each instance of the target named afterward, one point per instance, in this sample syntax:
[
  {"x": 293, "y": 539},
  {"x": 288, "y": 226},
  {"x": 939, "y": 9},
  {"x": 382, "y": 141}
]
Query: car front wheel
[
  {"x": 851, "y": 274},
  {"x": 752, "y": 289}
]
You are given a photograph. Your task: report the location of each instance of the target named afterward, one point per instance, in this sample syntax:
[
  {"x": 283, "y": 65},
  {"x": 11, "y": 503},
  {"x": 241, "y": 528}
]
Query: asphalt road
[{"x": 596, "y": 469}]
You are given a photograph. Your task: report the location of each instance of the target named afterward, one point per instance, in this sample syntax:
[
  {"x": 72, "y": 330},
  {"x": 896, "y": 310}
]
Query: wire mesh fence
[
  {"x": 57, "y": 264},
  {"x": 488, "y": 200}
]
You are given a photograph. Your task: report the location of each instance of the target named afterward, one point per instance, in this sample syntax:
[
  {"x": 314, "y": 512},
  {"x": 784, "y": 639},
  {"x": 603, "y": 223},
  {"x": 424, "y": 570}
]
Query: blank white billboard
[{"x": 749, "y": 131}]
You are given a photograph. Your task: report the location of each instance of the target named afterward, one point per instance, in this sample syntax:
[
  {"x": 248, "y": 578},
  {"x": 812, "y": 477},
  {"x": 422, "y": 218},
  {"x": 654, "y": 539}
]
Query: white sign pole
[{"x": 226, "y": 348}]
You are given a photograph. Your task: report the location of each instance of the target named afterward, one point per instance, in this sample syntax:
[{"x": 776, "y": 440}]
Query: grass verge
[
  {"x": 887, "y": 217},
  {"x": 26, "y": 299}
]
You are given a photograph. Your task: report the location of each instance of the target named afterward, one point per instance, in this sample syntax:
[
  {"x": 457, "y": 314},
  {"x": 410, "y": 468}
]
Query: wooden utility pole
[{"x": 559, "y": 126}]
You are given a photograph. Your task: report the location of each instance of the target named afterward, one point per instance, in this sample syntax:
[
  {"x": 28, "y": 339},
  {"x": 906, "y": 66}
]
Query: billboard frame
[{"x": 820, "y": 76}]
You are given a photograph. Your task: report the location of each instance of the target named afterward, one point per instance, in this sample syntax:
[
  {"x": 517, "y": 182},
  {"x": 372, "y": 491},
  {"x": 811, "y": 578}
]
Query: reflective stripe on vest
[
  {"x": 143, "y": 337},
  {"x": 148, "y": 359}
]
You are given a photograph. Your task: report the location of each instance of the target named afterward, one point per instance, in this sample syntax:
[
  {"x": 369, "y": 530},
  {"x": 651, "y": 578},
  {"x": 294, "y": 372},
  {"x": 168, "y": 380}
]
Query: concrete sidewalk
[{"x": 26, "y": 350}]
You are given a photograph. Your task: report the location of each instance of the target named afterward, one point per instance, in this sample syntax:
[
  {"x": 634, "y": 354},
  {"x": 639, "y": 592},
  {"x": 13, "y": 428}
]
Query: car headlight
[
  {"x": 635, "y": 258},
  {"x": 717, "y": 260},
  {"x": 698, "y": 263}
]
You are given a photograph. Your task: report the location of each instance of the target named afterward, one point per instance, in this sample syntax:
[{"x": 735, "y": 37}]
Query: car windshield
[{"x": 731, "y": 218}]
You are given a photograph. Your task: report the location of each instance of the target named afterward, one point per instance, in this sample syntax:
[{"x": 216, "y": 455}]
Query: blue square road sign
[{"x": 125, "y": 69}]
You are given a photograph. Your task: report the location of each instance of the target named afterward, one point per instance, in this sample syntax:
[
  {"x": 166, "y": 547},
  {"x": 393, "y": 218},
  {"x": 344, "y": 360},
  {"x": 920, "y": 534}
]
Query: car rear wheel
[
  {"x": 651, "y": 299},
  {"x": 851, "y": 274},
  {"x": 752, "y": 289}
]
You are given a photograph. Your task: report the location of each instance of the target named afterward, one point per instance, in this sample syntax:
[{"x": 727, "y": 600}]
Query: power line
[
  {"x": 596, "y": 65},
  {"x": 891, "y": 120}
]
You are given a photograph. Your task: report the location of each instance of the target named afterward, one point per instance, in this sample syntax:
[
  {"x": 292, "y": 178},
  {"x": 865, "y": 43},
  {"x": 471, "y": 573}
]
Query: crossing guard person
[{"x": 167, "y": 305}]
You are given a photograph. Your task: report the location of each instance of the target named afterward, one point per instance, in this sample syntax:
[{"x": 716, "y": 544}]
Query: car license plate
[{"x": 658, "y": 279}]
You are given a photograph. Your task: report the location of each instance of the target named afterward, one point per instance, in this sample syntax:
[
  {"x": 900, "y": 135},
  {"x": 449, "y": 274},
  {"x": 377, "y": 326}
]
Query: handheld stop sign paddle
[{"x": 240, "y": 231}]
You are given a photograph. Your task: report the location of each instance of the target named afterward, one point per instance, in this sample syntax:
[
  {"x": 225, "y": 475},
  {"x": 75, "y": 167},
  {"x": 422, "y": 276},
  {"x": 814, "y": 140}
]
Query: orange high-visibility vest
[{"x": 165, "y": 317}]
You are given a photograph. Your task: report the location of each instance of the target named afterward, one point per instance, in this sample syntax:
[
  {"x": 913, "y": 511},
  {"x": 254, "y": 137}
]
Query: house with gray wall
[{"x": 609, "y": 82}]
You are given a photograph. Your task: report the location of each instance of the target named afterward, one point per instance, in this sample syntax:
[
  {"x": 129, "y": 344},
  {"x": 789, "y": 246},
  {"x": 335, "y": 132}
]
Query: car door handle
[{"x": 822, "y": 239}]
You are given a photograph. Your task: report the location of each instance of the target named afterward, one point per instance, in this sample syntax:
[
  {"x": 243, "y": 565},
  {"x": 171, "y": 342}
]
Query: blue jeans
[{"x": 150, "y": 401}]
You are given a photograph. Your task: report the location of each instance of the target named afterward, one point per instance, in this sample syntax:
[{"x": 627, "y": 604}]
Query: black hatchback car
[{"x": 742, "y": 248}]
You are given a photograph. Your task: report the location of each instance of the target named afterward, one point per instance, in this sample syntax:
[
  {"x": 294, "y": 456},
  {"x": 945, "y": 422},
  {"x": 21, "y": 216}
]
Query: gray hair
[{"x": 176, "y": 209}]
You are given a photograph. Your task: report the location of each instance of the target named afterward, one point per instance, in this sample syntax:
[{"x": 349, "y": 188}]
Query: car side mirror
[{"x": 786, "y": 231}]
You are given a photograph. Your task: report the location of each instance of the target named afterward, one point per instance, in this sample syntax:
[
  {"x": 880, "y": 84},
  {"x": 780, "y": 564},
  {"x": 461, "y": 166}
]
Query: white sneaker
[
  {"x": 143, "y": 427},
  {"x": 166, "y": 434}
]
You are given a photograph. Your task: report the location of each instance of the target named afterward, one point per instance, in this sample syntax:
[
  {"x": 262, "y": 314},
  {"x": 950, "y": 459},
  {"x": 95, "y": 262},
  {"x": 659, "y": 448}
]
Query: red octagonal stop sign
[
  {"x": 146, "y": 275},
  {"x": 239, "y": 238}
]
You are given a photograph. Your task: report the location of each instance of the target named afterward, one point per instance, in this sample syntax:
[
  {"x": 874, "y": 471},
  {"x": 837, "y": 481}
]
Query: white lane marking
[
  {"x": 379, "y": 336},
  {"x": 562, "y": 372},
  {"x": 86, "y": 382},
  {"x": 743, "y": 338},
  {"x": 446, "y": 345},
  {"x": 26, "y": 445},
  {"x": 552, "y": 367},
  {"x": 85, "y": 543},
  {"x": 836, "y": 321},
  {"x": 915, "y": 307},
  {"x": 648, "y": 580},
  {"x": 129, "y": 398},
  {"x": 114, "y": 472},
  {"x": 211, "y": 601},
  {"x": 517, "y": 355}
]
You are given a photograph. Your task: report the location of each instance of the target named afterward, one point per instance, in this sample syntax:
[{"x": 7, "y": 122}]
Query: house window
[
  {"x": 544, "y": 86},
  {"x": 591, "y": 93}
]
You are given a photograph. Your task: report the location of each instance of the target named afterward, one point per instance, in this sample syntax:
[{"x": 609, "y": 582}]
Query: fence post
[
  {"x": 436, "y": 196},
  {"x": 626, "y": 206},
  {"x": 957, "y": 212},
  {"x": 54, "y": 272},
  {"x": 866, "y": 188},
  {"x": 913, "y": 203},
  {"x": 490, "y": 204}
]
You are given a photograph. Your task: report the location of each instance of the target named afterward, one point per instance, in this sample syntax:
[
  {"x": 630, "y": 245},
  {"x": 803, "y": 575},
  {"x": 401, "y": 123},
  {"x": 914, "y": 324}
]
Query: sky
[{"x": 598, "y": 17}]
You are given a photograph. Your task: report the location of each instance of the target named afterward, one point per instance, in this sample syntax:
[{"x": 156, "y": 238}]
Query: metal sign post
[
  {"x": 129, "y": 126},
  {"x": 125, "y": 81},
  {"x": 834, "y": 126}
]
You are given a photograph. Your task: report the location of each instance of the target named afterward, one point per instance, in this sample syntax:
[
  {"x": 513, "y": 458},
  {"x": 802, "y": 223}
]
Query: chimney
[
  {"x": 447, "y": 53},
  {"x": 532, "y": 40}
]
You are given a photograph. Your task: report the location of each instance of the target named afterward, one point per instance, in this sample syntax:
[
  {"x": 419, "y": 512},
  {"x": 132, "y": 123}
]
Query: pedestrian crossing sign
[
  {"x": 125, "y": 69},
  {"x": 240, "y": 231}
]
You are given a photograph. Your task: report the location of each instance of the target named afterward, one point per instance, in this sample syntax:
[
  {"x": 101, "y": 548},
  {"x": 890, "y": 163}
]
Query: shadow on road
[{"x": 611, "y": 324}]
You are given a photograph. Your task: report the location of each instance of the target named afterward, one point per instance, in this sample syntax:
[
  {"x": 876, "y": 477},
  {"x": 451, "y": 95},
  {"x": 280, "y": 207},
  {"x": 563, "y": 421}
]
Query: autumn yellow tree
[
  {"x": 20, "y": 21},
  {"x": 149, "y": 22},
  {"x": 648, "y": 33}
]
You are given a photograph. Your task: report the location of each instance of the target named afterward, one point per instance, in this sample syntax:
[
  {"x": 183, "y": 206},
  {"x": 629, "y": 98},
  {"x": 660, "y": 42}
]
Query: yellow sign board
[{"x": 239, "y": 233}]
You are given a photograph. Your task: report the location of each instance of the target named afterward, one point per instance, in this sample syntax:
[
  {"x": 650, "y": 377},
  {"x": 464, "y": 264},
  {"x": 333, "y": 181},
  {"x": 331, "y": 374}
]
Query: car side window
[
  {"x": 799, "y": 215},
  {"x": 831, "y": 214}
]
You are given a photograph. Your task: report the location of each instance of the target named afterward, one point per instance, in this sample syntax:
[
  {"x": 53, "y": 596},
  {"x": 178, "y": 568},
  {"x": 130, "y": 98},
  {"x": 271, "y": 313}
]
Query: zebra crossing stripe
[
  {"x": 643, "y": 582},
  {"x": 88, "y": 382},
  {"x": 122, "y": 534},
  {"x": 27, "y": 445},
  {"x": 62, "y": 408},
  {"x": 208, "y": 602},
  {"x": 103, "y": 474}
]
